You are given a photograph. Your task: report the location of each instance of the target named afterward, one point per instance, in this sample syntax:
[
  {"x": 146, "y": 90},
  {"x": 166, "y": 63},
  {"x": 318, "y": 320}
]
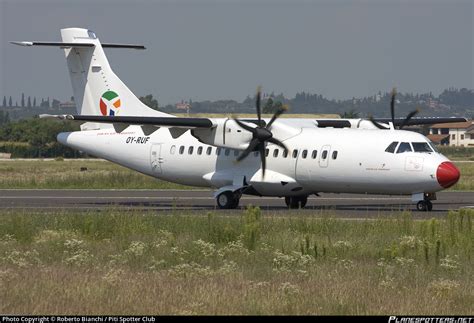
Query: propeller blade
[
  {"x": 251, "y": 147},
  {"x": 277, "y": 142},
  {"x": 378, "y": 125},
  {"x": 276, "y": 115},
  {"x": 408, "y": 117},
  {"x": 257, "y": 104},
  {"x": 244, "y": 126},
  {"x": 261, "y": 149},
  {"x": 392, "y": 105}
]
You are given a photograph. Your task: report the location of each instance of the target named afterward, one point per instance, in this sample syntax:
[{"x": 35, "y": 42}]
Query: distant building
[
  {"x": 432, "y": 103},
  {"x": 67, "y": 105},
  {"x": 459, "y": 134},
  {"x": 183, "y": 106}
]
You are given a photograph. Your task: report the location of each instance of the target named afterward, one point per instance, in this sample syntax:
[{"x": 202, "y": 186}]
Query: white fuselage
[{"x": 346, "y": 161}]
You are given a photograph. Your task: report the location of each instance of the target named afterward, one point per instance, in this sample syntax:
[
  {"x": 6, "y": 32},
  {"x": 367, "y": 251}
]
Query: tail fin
[{"x": 97, "y": 90}]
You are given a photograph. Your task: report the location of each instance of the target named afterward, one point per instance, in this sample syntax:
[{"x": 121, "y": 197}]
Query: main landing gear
[
  {"x": 424, "y": 201},
  {"x": 228, "y": 200},
  {"x": 296, "y": 202}
]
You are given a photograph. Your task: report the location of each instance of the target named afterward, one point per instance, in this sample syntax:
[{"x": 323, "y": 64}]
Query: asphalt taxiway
[{"x": 347, "y": 205}]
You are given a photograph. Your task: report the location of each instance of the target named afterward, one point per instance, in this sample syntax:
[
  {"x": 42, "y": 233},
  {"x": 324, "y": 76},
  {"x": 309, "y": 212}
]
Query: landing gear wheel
[
  {"x": 424, "y": 206},
  {"x": 228, "y": 200},
  {"x": 296, "y": 202}
]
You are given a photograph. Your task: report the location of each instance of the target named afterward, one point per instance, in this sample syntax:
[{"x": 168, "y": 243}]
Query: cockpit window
[
  {"x": 404, "y": 147},
  {"x": 391, "y": 147},
  {"x": 421, "y": 147},
  {"x": 433, "y": 146}
]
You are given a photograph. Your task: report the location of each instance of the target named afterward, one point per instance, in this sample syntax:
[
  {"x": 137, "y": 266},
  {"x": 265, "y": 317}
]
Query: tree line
[{"x": 35, "y": 138}]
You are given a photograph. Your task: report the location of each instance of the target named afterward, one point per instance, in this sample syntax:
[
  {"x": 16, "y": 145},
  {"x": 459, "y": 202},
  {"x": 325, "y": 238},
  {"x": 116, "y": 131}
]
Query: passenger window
[
  {"x": 227, "y": 151},
  {"x": 404, "y": 147},
  {"x": 199, "y": 150},
  {"x": 275, "y": 153},
  {"x": 190, "y": 150},
  {"x": 295, "y": 153},
  {"x": 325, "y": 154},
  {"x": 266, "y": 152},
  {"x": 209, "y": 150},
  {"x": 304, "y": 154},
  {"x": 181, "y": 150},
  {"x": 391, "y": 147},
  {"x": 421, "y": 147},
  {"x": 334, "y": 154},
  {"x": 218, "y": 151},
  {"x": 173, "y": 150},
  {"x": 285, "y": 153},
  {"x": 314, "y": 154}
]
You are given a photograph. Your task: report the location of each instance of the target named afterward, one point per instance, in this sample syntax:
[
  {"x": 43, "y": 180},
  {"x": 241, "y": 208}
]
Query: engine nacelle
[{"x": 226, "y": 133}]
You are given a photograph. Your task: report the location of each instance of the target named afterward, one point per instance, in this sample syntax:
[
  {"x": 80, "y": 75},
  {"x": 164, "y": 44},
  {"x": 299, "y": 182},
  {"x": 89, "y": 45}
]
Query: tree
[
  {"x": 34, "y": 101},
  {"x": 23, "y": 100},
  {"x": 268, "y": 108},
  {"x": 352, "y": 114},
  {"x": 10, "y": 101},
  {"x": 29, "y": 102},
  {"x": 4, "y": 101},
  {"x": 55, "y": 104},
  {"x": 149, "y": 101}
]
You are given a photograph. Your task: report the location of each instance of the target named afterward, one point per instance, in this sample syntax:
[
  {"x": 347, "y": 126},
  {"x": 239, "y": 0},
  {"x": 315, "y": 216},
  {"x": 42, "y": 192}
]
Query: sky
[{"x": 210, "y": 50}]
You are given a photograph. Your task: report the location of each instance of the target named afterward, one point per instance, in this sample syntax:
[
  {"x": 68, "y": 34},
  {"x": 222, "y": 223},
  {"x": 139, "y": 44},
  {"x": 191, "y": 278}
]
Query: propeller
[
  {"x": 392, "y": 114},
  {"x": 261, "y": 134}
]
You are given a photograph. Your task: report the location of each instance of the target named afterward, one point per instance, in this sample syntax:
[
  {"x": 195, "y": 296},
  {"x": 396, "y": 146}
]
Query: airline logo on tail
[{"x": 110, "y": 103}]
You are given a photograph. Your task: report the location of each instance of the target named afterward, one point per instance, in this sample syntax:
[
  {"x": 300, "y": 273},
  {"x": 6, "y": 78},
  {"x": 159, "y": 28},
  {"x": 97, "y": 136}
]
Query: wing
[
  {"x": 420, "y": 121},
  {"x": 174, "y": 122}
]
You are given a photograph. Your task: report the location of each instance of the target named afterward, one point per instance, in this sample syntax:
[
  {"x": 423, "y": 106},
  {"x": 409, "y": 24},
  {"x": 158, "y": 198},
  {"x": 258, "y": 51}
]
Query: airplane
[{"x": 281, "y": 157}]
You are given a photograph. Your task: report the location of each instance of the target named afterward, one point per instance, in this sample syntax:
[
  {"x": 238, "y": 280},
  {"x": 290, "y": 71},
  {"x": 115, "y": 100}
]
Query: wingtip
[{"x": 22, "y": 43}]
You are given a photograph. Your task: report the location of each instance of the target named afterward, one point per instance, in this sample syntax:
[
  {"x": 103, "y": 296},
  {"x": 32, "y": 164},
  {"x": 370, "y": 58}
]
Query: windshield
[{"x": 421, "y": 147}]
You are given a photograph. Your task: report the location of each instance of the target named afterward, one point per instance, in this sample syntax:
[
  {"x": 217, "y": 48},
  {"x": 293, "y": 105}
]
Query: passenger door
[{"x": 156, "y": 159}]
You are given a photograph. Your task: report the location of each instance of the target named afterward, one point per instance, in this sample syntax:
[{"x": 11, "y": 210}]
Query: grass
[
  {"x": 117, "y": 262},
  {"x": 60, "y": 174}
]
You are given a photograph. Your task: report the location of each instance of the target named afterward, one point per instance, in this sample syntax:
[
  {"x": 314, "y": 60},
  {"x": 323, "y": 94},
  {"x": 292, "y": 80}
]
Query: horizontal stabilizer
[
  {"x": 69, "y": 45},
  {"x": 188, "y": 123}
]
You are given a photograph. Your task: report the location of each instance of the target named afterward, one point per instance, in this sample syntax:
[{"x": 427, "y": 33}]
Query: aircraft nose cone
[{"x": 447, "y": 174}]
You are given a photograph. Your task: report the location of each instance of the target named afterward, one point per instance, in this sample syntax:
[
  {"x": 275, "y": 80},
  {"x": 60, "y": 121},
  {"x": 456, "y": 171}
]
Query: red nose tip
[{"x": 447, "y": 174}]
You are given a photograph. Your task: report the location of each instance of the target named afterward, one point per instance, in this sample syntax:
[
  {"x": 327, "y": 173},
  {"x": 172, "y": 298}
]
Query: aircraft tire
[
  {"x": 296, "y": 202},
  {"x": 424, "y": 206},
  {"x": 227, "y": 200}
]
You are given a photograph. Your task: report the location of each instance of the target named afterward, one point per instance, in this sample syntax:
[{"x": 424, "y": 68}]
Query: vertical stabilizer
[{"x": 97, "y": 90}]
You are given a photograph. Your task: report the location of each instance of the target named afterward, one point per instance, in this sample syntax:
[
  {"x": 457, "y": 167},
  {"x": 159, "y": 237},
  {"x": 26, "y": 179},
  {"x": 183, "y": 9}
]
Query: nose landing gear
[
  {"x": 424, "y": 201},
  {"x": 424, "y": 205}
]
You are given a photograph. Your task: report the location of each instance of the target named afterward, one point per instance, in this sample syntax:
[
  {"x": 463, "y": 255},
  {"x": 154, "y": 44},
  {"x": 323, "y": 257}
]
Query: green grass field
[
  {"x": 117, "y": 262},
  {"x": 41, "y": 174}
]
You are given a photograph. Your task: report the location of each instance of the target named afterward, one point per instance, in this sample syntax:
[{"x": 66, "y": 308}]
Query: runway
[{"x": 345, "y": 205}]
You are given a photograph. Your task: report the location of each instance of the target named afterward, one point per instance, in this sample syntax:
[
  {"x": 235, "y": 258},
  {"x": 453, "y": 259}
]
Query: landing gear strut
[
  {"x": 296, "y": 202},
  {"x": 228, "y": 200}
]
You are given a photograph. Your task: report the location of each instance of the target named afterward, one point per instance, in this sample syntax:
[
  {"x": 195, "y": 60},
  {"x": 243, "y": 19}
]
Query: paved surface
[{"x": 344, "y": 205}]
